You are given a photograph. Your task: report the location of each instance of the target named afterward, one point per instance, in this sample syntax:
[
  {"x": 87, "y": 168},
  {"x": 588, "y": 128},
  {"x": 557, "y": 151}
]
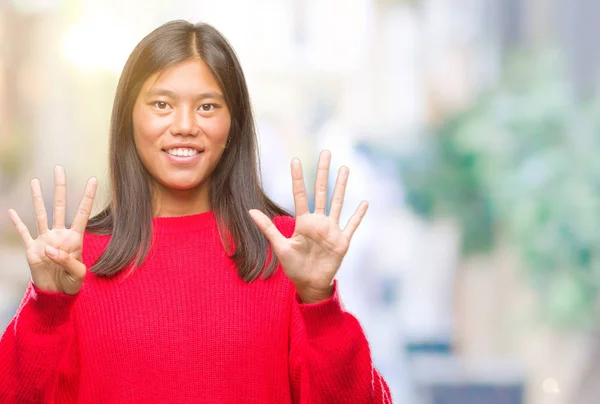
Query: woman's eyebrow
[{"x": 168, "y": 93}]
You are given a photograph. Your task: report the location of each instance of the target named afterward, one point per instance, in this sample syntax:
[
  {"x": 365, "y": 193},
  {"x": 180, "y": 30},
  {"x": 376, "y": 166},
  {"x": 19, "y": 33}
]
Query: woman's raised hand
[
  {"x": 54, "y": 257},
  {"x": 312, "y": 256}
]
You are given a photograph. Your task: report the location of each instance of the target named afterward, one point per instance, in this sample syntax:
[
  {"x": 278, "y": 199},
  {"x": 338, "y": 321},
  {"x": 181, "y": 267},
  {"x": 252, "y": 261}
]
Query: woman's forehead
[{"x": 190, "y": 77}]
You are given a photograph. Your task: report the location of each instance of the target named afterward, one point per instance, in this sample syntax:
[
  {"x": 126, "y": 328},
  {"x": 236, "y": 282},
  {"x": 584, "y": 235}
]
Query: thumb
[
  {"x": 268, "y": 228},
  {"x": 70, "y": 264}
]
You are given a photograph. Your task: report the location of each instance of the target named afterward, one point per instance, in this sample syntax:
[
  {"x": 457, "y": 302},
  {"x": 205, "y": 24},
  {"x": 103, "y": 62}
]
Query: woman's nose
[{"x": 185, "y": 122}]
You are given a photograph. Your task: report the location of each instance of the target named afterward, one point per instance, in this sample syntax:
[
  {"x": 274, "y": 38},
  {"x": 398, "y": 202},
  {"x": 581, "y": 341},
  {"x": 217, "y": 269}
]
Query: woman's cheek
[
  {"x": 218, "y": 129},
  {"x": 156, "y": 126}
]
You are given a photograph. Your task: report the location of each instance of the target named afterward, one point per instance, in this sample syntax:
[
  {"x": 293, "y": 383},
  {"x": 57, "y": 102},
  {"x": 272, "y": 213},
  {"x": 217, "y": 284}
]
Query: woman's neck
[{"x": 176, "y": 202}]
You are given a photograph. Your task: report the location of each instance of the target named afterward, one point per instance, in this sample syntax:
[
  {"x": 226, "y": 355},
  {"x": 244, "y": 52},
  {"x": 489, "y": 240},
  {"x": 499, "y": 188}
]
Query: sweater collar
[{"x": 184, "y": 223}]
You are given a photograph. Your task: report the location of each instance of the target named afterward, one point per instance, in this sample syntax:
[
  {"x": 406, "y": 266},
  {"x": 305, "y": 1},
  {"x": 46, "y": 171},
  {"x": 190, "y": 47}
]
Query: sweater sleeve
[
  {"x": 38, "y": 350},
  {"x": 330, "y": 358}
]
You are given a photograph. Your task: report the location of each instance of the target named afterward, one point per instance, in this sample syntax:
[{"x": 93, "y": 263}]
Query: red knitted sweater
[{"x": 184, "y": 328}]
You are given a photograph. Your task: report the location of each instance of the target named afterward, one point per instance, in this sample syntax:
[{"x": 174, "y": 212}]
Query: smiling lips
[
  {"x": 182, "y": 151},
  {"x": 183, "y": 155}
]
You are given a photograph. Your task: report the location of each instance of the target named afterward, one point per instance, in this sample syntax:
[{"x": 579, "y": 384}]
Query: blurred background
[{"x": 471, "y": 127}]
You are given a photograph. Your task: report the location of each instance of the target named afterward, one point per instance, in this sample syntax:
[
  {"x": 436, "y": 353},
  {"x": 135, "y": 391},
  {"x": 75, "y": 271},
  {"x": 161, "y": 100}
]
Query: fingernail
[{"x": 51, "y": 251}]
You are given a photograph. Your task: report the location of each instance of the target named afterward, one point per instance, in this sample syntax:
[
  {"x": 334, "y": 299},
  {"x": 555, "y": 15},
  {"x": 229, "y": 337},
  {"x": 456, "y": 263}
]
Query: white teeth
[{"x": 182, "y": 152}]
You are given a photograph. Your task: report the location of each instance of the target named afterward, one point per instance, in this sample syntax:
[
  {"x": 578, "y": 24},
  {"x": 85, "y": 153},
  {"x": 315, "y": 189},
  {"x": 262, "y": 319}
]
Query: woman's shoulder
[
  {"x": 285, "y": 224},
  {"x": 93, "y": 247}
]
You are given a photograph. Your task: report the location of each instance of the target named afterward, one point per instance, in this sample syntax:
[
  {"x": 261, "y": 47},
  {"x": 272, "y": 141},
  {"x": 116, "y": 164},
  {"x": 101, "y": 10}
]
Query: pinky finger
[
  {"x": 21, "y": 228},
  {"x": 356, "y": 219}
]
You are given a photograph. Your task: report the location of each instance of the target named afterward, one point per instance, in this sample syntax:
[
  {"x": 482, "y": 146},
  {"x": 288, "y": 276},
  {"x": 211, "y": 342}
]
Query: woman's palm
[
  {"x": 47, "y": 271},
  {"x": 312, "y": 256},
  {"x": 318, "y": 247},
  {"x": 65, "y": 272}
]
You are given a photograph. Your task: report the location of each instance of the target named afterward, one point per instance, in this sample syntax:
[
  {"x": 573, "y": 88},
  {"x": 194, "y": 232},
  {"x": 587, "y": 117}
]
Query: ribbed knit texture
[{"x": 184, "y": 328}]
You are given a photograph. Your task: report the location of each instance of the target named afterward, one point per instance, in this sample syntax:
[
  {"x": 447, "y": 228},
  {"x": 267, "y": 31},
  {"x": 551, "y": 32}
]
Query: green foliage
[{"x": 524, "y": 162}]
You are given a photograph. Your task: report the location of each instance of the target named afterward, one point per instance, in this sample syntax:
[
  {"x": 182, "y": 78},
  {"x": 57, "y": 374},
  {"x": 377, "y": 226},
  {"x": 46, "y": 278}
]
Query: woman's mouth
[{"x": 182, "y": 155}]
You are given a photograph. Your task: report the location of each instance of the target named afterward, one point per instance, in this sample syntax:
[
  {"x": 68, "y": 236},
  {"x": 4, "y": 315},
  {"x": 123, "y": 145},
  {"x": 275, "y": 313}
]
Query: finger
[
  {"x": 21, "y": 228},
  {"x": 41, "y": 217},
  {"x": 74, "y": 267},
  {"x": 60, "y": 197},
  {"x": 321, "y": 182},
  {"x": 337, "y": 201},
  {"x": 355, "y": 219},
  {"x": 298, "y": 188},
  {"x": 85, "y": 206},
  {"x": 268, "y": 228}
]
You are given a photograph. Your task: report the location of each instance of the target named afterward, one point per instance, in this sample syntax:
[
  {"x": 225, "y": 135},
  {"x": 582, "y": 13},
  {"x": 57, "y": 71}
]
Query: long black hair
[{"x": 235, "y": 182}]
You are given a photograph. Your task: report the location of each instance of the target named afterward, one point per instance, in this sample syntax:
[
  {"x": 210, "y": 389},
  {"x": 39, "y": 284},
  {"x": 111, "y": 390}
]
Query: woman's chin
[
  {"x": 181, "y": 185},
  {"x": 184, "y": 187}
]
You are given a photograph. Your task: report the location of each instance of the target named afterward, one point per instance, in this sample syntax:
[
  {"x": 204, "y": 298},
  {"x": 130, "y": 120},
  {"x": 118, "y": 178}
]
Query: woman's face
[{"x": 180, "y": 126}]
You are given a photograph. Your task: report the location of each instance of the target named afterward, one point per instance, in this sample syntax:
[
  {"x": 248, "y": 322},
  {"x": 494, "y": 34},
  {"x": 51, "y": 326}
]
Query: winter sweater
[{"x": 184, "y": 328}]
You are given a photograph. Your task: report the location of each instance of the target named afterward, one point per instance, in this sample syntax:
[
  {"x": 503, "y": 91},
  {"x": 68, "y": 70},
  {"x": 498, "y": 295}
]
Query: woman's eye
[
  {"x": 207, "y": 107},
  {"x": 160, "y": 104}
]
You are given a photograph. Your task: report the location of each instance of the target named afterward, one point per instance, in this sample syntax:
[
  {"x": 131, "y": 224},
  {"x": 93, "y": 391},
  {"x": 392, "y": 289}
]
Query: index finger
[
  {"x": 298, "y": 188},
  {"x": 321, "y": 182},
  {"x": 85, "y": 206}
]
